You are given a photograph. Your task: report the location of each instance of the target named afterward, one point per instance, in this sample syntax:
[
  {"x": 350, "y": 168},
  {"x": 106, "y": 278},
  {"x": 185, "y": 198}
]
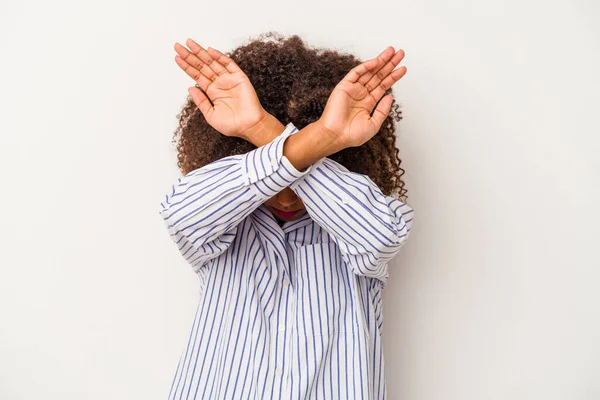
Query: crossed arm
[{"x": 368, "y": 226}]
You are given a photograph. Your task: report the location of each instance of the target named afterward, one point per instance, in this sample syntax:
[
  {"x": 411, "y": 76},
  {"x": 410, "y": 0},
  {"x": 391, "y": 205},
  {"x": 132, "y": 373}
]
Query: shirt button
[
  {"x": 278, "y": 371},
  {"x": 345, "y": 200},
  {"x": 286, "y": 282},
  {"x": 281, "y": 328}
]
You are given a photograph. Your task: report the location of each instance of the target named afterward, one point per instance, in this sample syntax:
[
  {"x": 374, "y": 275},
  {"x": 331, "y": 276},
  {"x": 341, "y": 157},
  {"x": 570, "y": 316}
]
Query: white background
[{"x": 494, "y": 296}]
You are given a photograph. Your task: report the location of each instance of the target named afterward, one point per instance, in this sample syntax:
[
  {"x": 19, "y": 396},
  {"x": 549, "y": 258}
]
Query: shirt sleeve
[
  {"x": 368, "y": 226},
  {"x": 203, "y": 209}
]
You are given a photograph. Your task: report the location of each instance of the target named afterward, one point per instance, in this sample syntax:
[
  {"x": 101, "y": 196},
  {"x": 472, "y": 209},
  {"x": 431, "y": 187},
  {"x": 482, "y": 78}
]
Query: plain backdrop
[{"x": 494, "y": 296}]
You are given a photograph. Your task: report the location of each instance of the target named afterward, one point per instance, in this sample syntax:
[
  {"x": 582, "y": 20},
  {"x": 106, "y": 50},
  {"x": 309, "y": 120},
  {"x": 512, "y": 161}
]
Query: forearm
[
  {"x": 203, "y": 208},
  {"x": 303, "y": 148},
  {"x": 368, "y": 226},
  {"x": 310, "y": 144}
]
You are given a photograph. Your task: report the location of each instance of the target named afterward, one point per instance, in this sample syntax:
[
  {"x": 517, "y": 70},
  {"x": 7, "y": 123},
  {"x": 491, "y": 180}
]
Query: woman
[{"x": 288, "y": 229}]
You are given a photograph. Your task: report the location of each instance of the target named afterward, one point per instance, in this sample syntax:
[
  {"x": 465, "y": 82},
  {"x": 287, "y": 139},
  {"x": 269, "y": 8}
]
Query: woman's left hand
[
  {"x": 357, "y": 107},
  {"x": 235, "y": 107}
]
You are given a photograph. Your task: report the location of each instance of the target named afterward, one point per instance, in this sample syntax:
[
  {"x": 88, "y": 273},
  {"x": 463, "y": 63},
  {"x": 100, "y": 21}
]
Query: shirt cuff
[
  {"x": 302, "y": 174},
  {"x": 267, "y": 169}
]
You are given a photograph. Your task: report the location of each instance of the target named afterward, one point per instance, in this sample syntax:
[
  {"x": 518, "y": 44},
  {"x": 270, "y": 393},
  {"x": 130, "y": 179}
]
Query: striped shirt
[{"x": 291, "y": 311}]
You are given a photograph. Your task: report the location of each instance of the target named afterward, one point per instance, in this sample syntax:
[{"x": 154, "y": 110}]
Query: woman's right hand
[
  {"x": 235, "y": 109},
  {"x": 347, "y": 114}
]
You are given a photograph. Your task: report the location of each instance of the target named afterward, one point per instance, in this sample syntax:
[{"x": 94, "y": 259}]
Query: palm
[
  {"x": 232, "y": 106},
  {"x": 349, "y": 107},
  {"x": 235, "y": 104}
]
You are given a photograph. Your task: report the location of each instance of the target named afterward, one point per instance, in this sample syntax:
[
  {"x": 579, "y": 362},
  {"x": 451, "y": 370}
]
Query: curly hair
[{"x": 293, "y": 82}]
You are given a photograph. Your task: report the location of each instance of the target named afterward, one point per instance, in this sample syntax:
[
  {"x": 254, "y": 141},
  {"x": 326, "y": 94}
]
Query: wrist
[
  {"x": 264, "y": 131},
  {"x": 330, "y": 141}
]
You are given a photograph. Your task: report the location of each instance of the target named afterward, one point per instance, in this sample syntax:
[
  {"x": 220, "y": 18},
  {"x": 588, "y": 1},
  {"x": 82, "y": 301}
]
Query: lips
[{"x": 286, "y": 214}]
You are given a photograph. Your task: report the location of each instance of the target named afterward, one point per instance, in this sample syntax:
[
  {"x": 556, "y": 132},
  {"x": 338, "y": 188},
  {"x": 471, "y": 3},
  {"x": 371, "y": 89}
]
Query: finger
[
  {"x": 385, "y": 70},
  {"x": 192, "y": 72},
  {"x": 205, "y": 57},
  {"x": 388, "y": 82},
  {"x": 361, "y": 69},
  {"x": 382, "y": 59},
  {"x": 201, "y": 101},
  {"x": 193, "y": 60},
  {"x": 221, "y": 58},
  {"x": 381, "y": 112}
]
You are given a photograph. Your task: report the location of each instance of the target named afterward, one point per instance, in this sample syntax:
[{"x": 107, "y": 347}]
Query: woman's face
[{"x": 286, "y": 201}]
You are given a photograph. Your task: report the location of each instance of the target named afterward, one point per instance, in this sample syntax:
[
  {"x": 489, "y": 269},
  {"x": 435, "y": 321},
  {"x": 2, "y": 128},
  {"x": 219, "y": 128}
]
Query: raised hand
[
  {"x": 235, "y": 108},
  {"x": 347, "y": 114}
]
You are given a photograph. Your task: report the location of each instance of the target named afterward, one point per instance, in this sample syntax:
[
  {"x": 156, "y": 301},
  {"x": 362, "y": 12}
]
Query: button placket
[{"x": 281, "y": 340}]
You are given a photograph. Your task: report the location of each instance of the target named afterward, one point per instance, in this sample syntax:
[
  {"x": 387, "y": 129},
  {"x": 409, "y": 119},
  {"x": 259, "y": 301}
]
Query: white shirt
[{"x": 291, "y": 311}]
